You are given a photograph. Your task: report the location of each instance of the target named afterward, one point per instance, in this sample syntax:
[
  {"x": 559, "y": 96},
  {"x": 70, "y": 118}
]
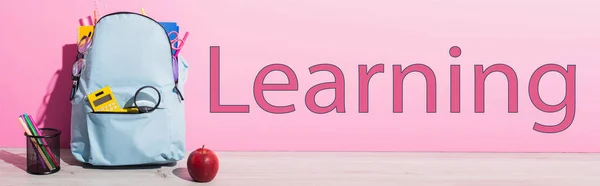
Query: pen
[
  {"x": 35, "y": 133},
  {"x": 43, "y": 160},
  {"x": 43, "y": 141}
]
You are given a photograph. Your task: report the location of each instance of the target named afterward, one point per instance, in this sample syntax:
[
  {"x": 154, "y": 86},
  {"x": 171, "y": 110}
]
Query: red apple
[{"x": 203, "y": 165}]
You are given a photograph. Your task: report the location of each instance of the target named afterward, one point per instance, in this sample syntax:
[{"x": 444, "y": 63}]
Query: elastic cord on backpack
[
  {"x": 178, "y": 92},
  {"x": 176, "y": 76}
]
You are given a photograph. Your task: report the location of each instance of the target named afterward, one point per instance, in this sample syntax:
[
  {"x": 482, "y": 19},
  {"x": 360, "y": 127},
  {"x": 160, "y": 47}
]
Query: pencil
[
  {"x": 44, "y": 154},
  {"x": 30, "y": 127},
  {"x": 35, "y": 144},
  {"x": 35, "y": 133},
  {"x": 43, "y": 141},
  {"x": 95, "y": 17}
]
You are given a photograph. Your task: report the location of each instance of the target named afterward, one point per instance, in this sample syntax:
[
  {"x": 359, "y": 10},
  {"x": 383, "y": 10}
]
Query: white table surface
[{"x": 332, "y": 168}]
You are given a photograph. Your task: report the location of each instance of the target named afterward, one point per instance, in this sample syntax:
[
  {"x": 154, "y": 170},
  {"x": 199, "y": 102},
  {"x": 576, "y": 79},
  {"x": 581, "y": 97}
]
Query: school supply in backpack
[
  {"x": 86, "y": 31},
  {"x": 169, "y": 28},
  {"x": 179, "y": 41},
  {"x": 86, "y": 21},
  {"x": 103, "y": 101}
]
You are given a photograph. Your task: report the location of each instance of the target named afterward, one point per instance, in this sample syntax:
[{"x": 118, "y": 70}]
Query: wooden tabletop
[{"x": 331, "y": 168}]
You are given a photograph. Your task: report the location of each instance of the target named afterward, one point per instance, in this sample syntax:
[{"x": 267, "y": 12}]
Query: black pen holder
[{"x": 43, "y": 151}]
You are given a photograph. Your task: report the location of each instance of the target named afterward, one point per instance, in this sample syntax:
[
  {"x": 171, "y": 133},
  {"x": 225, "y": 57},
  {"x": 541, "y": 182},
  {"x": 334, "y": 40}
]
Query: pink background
[{"x": 300, "y": 34}]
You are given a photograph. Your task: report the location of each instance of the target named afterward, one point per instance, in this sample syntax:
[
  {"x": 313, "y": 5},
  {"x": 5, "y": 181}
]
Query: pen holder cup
[{"x": 43, "y": 152}]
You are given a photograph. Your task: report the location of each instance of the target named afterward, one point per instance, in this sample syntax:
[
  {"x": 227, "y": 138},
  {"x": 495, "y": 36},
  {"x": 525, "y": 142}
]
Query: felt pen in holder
[
  {"x": 39, "y": 152},
  {"x": 32, "y": 123},
  {"x": 43, "y": 145},
  {"x": 44, "y": 163},
  {"x": 46, "y": 153}
]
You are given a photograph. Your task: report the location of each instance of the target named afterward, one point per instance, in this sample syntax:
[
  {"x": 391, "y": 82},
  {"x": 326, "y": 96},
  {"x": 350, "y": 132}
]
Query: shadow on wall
[{"x": 55, "y": 109}]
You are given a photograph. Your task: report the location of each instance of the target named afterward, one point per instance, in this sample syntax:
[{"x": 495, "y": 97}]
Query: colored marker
[
  {"x": 41, "y": 157},
  {"x": 46, "y": 147},
  {"x": 33, "y": 131}
]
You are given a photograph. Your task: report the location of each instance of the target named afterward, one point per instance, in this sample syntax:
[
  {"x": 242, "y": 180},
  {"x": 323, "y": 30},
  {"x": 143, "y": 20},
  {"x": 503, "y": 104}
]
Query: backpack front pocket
[{"x": 129, "y": 139}]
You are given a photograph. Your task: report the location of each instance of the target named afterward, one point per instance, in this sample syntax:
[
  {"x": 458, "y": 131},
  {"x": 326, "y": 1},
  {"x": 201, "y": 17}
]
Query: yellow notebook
[{"x": 84, "y": 31}]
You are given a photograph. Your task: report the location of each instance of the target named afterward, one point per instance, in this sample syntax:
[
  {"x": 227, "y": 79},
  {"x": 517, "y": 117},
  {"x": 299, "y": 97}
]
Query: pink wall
[{"x": 523, "y": 35}]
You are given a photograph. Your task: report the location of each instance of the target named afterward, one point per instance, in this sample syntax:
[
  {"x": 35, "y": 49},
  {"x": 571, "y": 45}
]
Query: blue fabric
[{"x": 129, "y": 51}]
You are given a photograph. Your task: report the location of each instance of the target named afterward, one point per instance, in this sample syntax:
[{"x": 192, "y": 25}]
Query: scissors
[
  {"x": 82, "y": 47},
  {"x": 175, "y": 63},
  {"x": 177, "y": 41}
]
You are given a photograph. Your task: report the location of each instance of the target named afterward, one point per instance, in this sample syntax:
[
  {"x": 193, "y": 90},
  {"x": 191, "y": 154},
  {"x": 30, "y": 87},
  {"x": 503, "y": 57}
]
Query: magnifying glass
[{"x": 146, "y": 99}]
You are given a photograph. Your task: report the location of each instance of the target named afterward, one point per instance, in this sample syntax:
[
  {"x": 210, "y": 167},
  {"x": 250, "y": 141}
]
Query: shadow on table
[
  {"x": 14, "y": 159},
  {"x": 183, "y": 174},
  {"x": 68, "y": 158}
]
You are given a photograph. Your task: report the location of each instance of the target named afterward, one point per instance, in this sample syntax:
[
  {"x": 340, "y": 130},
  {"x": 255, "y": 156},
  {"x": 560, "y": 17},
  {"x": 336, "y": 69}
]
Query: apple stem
[{"x": 202, "y": 149}]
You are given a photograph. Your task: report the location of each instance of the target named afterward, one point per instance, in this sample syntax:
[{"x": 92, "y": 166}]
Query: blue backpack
[{"x": 129, "y": 51}]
